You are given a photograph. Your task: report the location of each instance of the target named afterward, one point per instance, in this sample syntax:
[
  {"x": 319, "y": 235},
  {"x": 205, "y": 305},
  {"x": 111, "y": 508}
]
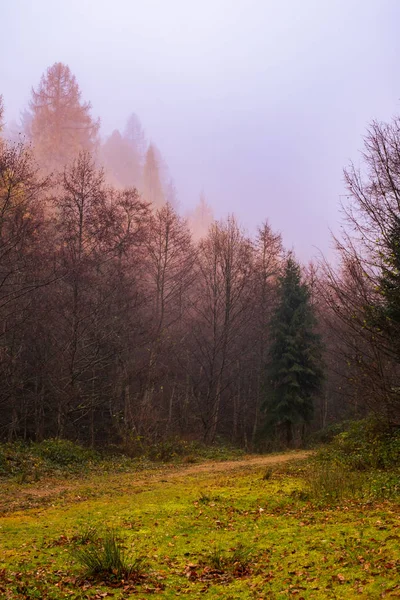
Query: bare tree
[
  {"x": 22, "y": 268},
  {"x": 169, "y": 266},
  {"x": 220, "y": 306}
]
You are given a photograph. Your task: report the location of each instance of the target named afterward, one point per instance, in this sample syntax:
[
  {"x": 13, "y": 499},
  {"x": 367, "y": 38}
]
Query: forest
[{"x": 125, "y": 322}]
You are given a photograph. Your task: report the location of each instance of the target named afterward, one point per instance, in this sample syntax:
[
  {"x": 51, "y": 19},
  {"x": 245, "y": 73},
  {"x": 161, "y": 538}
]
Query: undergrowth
[
  {"x": 361, "y": 463},
  {"x": 31, "y": 461}
]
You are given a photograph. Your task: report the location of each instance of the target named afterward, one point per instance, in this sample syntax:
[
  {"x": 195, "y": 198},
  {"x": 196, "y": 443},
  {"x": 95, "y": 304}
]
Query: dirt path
[
  {"x": 15, "y": 497},
  {"x": 257, "y": 461}
]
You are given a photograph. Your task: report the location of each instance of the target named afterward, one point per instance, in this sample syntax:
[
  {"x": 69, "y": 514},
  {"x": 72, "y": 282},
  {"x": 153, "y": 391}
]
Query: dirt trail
[
  {"x": 257, "y": 461},
  {"x": 14, "y": 497}
]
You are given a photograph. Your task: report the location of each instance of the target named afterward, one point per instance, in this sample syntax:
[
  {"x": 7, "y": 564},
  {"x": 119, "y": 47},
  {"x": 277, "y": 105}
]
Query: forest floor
[{"x": 233, "y": 529}]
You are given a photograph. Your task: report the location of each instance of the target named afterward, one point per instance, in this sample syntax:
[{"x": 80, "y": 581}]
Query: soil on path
[{"x": 257, "y": 461}]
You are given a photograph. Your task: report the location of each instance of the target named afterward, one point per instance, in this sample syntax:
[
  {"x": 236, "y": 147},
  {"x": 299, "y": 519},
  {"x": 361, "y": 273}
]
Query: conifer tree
[
  {"x": 294, "y": 372},
  {"x": 61, "y": 125}
]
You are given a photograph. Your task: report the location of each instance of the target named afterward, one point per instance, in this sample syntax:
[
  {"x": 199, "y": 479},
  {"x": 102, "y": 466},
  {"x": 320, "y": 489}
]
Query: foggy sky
[{"x": 261, "y": 103}]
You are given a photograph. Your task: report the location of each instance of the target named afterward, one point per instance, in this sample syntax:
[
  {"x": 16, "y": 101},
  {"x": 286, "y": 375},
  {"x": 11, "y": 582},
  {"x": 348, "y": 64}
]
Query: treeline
[{"x": 120, "y": 320}]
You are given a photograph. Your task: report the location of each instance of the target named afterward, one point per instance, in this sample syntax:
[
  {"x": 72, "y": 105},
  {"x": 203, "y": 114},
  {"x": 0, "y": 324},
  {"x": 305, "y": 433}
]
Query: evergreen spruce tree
[{"x": 294, "y": 372}]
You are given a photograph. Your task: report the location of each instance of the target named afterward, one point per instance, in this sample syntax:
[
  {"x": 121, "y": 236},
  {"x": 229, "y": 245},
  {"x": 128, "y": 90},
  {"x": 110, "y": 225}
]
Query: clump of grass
[
  {"x": 268, "y": 474},
  {"x": 236, "y": 563},
  {"x": 241, "y": 560},
  {"x": 204, "y": 498},
  {"x": 88, "y": 535},
  {"x": 105, "y": 559},
  {"x": 207, "y": 499},
  {"x": 216, "y": 559}
]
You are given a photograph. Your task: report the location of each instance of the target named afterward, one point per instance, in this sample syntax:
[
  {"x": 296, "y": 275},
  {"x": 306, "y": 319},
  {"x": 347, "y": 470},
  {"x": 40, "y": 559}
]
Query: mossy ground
[{"x": 178, "y": 518}]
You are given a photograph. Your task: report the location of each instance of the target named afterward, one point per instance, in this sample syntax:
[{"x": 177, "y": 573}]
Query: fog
[{"x": 258, "y": 103}]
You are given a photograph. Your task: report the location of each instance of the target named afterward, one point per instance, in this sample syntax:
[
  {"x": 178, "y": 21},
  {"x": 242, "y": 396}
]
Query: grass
[
  {"x": 105, "y": 559},
  {"x": 226, "y": 533}
]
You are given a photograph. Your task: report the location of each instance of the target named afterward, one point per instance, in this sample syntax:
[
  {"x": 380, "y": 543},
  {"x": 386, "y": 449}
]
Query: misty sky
[{"x": 261, "y": 103}]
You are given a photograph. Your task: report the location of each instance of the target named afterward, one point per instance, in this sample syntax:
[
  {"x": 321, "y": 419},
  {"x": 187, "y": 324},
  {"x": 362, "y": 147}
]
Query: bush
[
  {"x": 63, "y": 452},
  {"x": 364, "y": 445},
  {"x": 30, "y": 461},
  {"x": 359, "y": 463}
]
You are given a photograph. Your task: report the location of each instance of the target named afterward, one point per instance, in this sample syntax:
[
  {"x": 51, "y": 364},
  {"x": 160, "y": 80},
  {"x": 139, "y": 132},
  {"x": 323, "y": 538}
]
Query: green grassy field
[{"x": 244, "y": 529}]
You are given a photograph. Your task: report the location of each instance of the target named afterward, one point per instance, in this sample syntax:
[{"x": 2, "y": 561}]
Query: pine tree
[{"x": 294, "y": 373}]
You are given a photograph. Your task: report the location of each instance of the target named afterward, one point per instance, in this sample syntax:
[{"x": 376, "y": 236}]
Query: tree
[
  {"x": 23, "y": 260},
  {"x": 267, "y": 267},
  {"x": 169, "y": 276},
  {"x": 1, "y": 113},
  {"x": 294, "y": 373},
  {"x": 385, "y": 316},
  {"x": 122, "y": 164},
  {"x": 221, "y": 304},
  {"x": 61, "y": 124},
  {"x": 152, "y": 187},
  {"x": 363, "y": 293},
  {"x": 135, "y": 136},
  {"x": 201, "y": 219}
]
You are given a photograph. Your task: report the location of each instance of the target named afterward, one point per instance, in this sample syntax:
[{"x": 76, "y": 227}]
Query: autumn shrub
[
  {"x": 360, "y": 462},
  {"x": 64, "y": 452},
  {"x": 383, "y": 485},
  {"x": 27, "y": 461},
  {"x": 17, "y": 459},
  {"x": 364, "y": 445}
]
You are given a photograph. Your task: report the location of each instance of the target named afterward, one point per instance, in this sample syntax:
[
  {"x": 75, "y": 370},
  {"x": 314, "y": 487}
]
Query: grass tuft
[
  {"x": 105, "y": 559},
  {"x": 268, "y": 474},
  {"x": 237, "y": 562}
]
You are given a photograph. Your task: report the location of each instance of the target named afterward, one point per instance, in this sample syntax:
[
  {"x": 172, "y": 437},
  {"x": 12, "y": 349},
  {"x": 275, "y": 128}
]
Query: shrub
[
  {"x": 364, "y": 445},
  {"x": 64, "y": 452}
]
